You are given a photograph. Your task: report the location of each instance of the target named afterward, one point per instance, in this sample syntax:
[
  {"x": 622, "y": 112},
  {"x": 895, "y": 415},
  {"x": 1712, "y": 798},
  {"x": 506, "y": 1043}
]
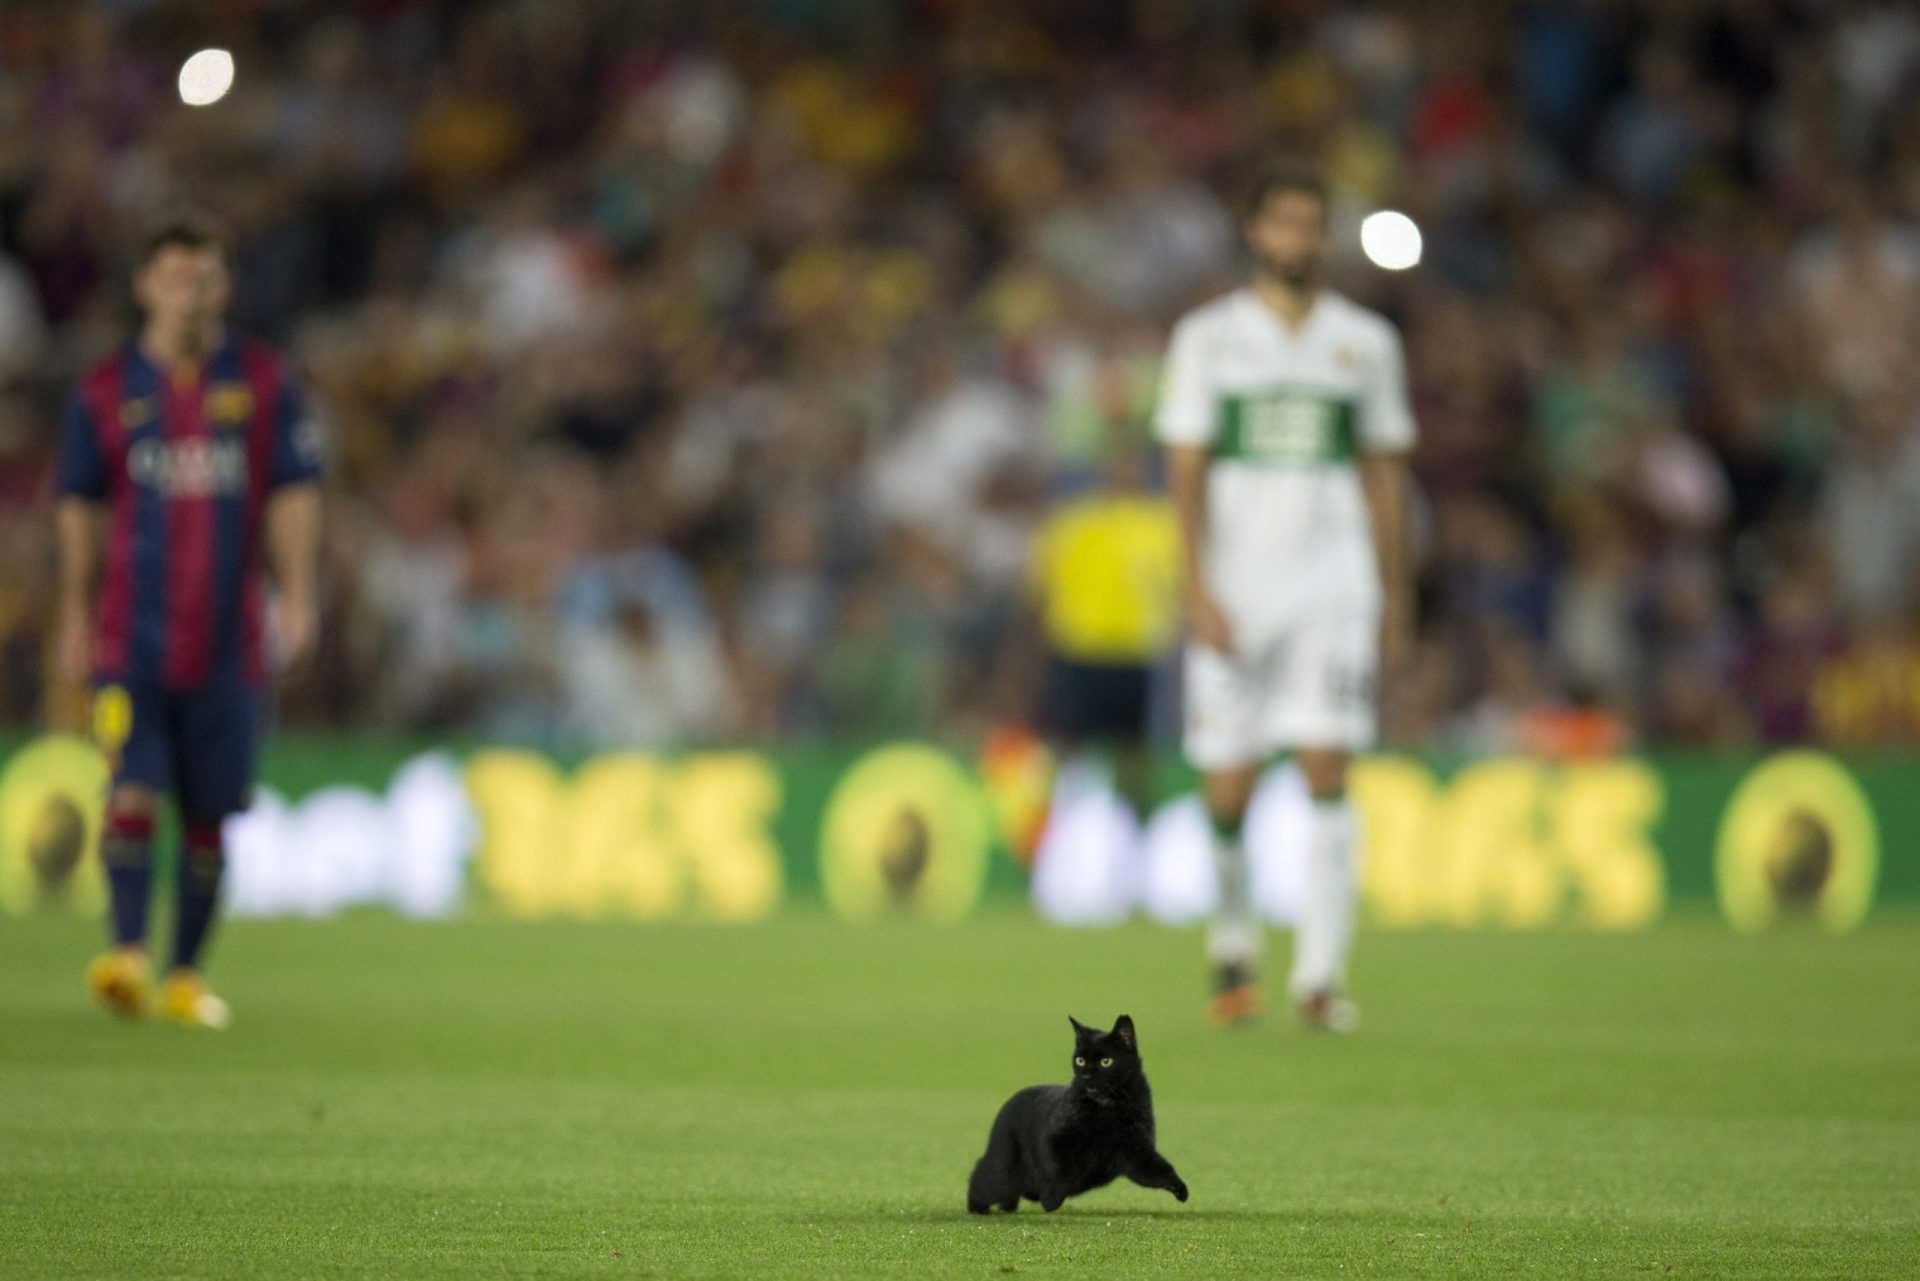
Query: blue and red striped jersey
[{"x": 184, "y": 462}]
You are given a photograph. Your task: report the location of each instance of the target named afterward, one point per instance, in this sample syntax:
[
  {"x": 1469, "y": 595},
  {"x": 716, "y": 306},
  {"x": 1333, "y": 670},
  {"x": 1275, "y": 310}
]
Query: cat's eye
[
  {"x": 1078, "y": 1061},
  {"x": 1106, "y": 1062}
]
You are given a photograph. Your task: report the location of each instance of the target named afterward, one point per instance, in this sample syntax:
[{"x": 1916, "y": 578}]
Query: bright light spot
[
  {"x": 1391, "y": 240},
  {"x": 206, "y": 77}
]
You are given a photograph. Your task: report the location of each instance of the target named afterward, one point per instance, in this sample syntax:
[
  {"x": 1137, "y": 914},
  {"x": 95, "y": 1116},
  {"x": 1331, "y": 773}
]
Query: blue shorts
[
  {"x": 1098, "y": 702},
  {"x": 201, "y": 745}
]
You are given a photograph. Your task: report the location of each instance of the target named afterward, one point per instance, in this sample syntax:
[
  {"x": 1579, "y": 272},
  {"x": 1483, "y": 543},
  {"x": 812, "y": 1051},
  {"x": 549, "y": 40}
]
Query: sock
[
  {"x": 202, "y": 860},
  {"x": 126, "y": 851},
  {"x": 1234, "y": 937},
  {"x": 1325, "y": 934}
]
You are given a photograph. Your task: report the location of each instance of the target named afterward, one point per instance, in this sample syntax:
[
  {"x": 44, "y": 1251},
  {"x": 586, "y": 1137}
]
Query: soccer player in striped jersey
[
  {"x": 1284, "y": 412},
  {"x": 186, "y": 460}
]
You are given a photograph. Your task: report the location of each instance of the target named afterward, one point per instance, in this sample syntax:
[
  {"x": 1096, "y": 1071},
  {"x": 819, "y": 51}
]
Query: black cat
[{"x": 1051, "y": 1142}]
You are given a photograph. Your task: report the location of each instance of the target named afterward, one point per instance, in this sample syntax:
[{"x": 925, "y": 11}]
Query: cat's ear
[
  {"x": 1123, "y": 1028},
  {"x": 1079, "y": 1028}
]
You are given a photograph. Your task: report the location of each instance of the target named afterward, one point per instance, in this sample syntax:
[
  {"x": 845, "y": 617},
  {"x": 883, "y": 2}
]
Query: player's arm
[
  {"x": 1187, "y": 478},
  {"x": 79, "y": 526},
  {"x": 1184, "y": 420},
  {"x": 1386, "y": 480},
  {"x": 292, "y": 521},
  {"x": 293, "y": 557}
]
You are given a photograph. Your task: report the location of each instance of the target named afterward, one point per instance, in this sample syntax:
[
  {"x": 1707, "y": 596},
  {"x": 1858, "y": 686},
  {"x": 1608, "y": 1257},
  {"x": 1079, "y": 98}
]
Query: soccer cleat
[
  {"x": 1236, "y": 997},
  {"x": 184, "y": 999},
  {"x": 122, "y": 981},
  {"x": 1328, "y": 1012}
]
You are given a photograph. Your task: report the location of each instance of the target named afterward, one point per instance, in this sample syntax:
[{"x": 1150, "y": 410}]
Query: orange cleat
[
  {"x": 1236, "y": 997},
  {"x": 1328, "y": 1012}
]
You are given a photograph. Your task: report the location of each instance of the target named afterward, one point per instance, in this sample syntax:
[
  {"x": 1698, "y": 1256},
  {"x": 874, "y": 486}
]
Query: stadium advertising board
[{"x": 921, "y": 830}]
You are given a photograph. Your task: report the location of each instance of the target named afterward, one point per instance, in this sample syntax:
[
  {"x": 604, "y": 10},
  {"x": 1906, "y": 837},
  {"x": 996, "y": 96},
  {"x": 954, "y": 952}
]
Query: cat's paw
[{"x": 1180, "y": 1192}]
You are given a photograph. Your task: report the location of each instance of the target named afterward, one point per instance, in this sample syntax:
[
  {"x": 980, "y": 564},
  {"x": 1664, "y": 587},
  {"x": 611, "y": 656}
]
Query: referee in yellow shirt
[{"x": 1106, "y": 571}]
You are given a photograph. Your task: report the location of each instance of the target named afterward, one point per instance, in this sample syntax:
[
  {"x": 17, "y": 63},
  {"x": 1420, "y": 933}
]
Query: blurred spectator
[
  {"x": 22, "y": 335},
  {"x": 1513, "y": 689},
  {"x": 1870, "y": 696},
  {"x": 1652, "y": 135},
  {"x": 1595, "y": 625},
  {"x": 692, "y": 372},
  {"x": 1857, "y": 280},
  {"x": 643, "y": 680},
  {"x": 882, "y": 672},
  {"x": 1871, "y": 503},
  {"x": 1795, "y": 639}
]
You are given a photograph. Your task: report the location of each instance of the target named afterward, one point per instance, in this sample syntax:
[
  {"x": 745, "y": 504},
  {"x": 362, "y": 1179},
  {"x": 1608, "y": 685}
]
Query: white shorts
[{"x": 1310, "y": 686}]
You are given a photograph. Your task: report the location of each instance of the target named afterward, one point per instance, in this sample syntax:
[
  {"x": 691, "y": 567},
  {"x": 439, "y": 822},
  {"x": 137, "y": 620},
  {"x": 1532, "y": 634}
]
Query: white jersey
[{"x": 1286, "y": 414}]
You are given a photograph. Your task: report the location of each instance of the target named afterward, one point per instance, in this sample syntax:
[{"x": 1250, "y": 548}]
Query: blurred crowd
[{"x": 701, "y": 371}]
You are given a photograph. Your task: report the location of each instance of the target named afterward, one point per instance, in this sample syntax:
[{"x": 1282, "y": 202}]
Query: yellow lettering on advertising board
[
  {"x": 629, "y": 835},
  {"x": 1516, "y": 843},
  {"x": 1396, "y": 798},
  {"x": 1605, "y": 812}
]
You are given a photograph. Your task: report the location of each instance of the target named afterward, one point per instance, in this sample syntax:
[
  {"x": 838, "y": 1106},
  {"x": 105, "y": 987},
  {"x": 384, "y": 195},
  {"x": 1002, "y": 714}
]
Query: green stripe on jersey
[{"x": 1287, "y": 427}]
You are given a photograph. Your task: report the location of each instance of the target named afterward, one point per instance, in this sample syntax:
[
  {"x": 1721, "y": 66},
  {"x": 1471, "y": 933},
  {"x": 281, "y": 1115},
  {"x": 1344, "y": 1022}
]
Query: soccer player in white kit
[{"x": 1284, "y": 413}]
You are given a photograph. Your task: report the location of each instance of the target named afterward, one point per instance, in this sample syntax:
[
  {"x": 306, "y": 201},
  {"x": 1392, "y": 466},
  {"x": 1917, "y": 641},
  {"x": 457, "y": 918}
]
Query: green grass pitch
[{"x": 806, "y": 1098}]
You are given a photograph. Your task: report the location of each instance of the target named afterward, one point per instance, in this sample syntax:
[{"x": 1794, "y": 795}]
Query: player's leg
[
  {"x": 215, "y": 734},
  {"x": 1129, "y": 695},
  {"x": 1221, "y": 740},
  {"x": 1234, "y": 937},
  {"x": 121, "y": 978},
  {"x": 1102, "y": 709},
  {"x": 1327, "y": 713},
  {"x": 1324, "y": 939},
  {"x": 128, "y": 726}
]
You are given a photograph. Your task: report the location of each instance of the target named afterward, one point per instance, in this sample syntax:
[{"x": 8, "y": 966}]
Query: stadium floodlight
[
  {"x": 1391, "y": 240},
  {"x": 206, "y": 77}
]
